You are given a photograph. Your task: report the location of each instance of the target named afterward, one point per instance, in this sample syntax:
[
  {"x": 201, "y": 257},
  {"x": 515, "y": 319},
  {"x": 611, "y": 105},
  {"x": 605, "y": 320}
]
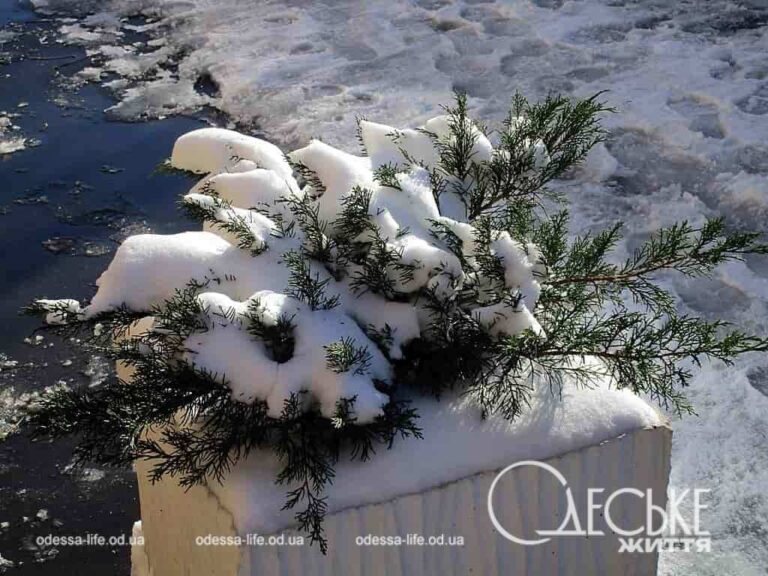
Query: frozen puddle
[
  {"x": 690, "y": 84},
  {"x": 63, "y": 205}
]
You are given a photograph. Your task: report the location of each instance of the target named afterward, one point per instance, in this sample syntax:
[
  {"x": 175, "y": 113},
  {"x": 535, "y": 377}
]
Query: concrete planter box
[
  {"x": 173, "y": 519},
  {"x": 525, "y": 499}
]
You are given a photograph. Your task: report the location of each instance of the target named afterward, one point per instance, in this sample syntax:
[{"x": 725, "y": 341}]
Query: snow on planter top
[
  {"x": 457, "y": 443},
  {"x": 250, "y": 245}
]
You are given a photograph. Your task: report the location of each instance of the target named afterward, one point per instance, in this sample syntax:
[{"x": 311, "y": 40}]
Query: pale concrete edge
[{"x": 664, "y": 426}]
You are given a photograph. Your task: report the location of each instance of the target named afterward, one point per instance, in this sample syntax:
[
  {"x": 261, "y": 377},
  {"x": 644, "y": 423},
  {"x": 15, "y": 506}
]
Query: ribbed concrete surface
[{"x": 525, "y": 498}]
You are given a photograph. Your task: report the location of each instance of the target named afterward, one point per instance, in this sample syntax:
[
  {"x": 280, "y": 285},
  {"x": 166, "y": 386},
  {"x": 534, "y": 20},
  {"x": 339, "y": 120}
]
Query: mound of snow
[
  {"x": 242, "y": 261},
  {"x": 458, "y": 442}
]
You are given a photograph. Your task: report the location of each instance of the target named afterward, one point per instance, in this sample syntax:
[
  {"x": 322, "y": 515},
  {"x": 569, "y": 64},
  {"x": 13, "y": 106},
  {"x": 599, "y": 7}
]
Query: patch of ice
[
  {"x": 7, "y": 364},
  {"x": 83, "y": 474},
  {"x": 12, "y": 144},
  {"x": 6, "y": 564},
  {"x": 11, "y": 139},
  {"x": 91, "y": 73},
  {"x": 12, "y": 407},
  {"x": 78, "y": 34},
  {"x": 56, "y": 317},
  {"x": 98, "y": 370}
]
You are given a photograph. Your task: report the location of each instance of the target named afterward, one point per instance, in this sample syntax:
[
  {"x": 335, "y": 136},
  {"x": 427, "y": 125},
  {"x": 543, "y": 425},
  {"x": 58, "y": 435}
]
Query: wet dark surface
[{"x": 65, "y": 203}]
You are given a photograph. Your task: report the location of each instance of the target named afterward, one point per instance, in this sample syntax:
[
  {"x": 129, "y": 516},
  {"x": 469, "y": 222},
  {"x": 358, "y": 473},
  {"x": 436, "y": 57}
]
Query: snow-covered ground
[{"x": 689, "y": 80}]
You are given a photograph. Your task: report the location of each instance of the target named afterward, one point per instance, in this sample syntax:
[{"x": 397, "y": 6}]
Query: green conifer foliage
[{"x": 589, "y": 306}]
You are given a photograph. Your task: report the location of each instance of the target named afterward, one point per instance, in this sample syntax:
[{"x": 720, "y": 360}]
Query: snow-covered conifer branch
[{"x": 307, "y": 313}]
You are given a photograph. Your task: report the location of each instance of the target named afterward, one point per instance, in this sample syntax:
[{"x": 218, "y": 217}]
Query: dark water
[{"x": 64, "y": 206}]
